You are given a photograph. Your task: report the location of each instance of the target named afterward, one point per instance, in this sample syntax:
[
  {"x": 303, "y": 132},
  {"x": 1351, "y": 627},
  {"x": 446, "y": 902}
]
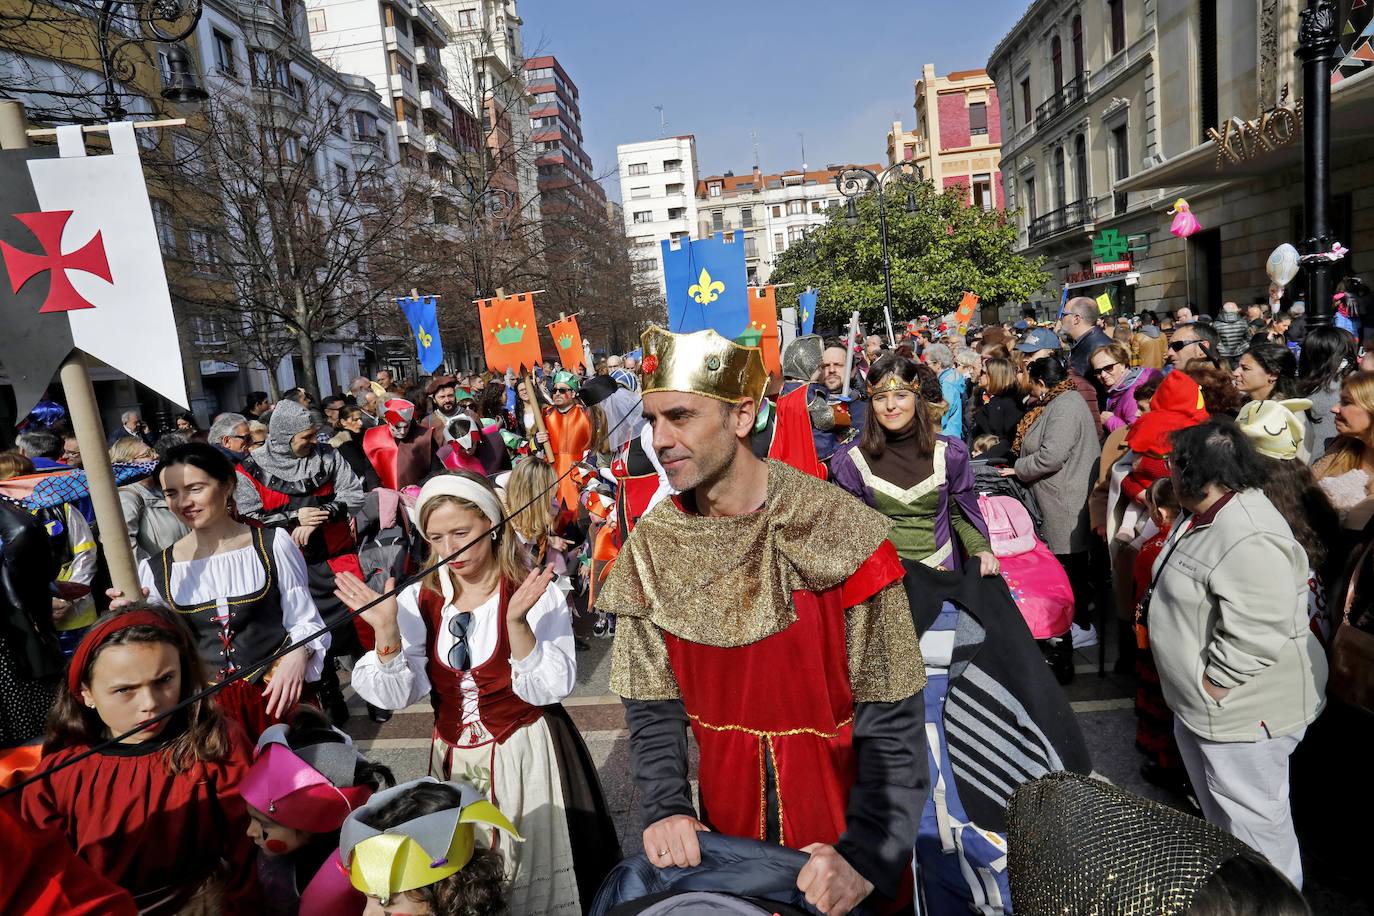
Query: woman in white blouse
[
  {"x": 491, "y": 644},
  {"x": 242, "y": 590}
]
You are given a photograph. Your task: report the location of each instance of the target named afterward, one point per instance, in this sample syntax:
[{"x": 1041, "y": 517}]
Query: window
[
  {"x": 1057, "y": 62},
  {"x": 1078, "y": 63},
  {"x": 201, "y": 247},
  {"x": 1116, "y": 10},
  {"x": 166, "y": 232},
  {"x": 672, "y": 189},
  {"x": 796, "y": 234},
  {"x": 364, "y": 126},
  {"x": 713, "y": 189},
  {"x": 1060, "y": 188},
  {"x": 298, "y": 89},
  {"x": 680, "y": 236},
  {"x": 672, "y": 165},
  {"x": 639, "y": 168},
  {"x": 645, "y": 265},
  {"x": 465, "y": 19},
  {"x": 1030, "y": 199},
  {"x": 746, "y": 217},
  {"x": 1121, "y": 166},
  {"x": 983, "y": 197},
  {"x": 908, "y": 152},
  {"x": 224, "y": 54},
  {"x": 817, "y": 206},
  {"x": 341, "y": 175},
  {"x": 1080, "y": 166},
  {"x": 315, "y": 21},
  {"x": 795, "y": 207},
  {"x": 777, "y": 212},
  {"x": 677, "y": 212},
  {"x": 644, "y": 216},
  {"x": 1025, "y": 102},
  {"x": 1207, "y": 66},
  {"x": 777, "y": 242},
  {"x": 290, "y": 149},
  {"x": 717, "y": 220},
  {"x": 639, "y": 193},
  {"x": 753, "y": 276},
  {"x": 751, "y": 247},
  {"x": 978, "y": 118}
]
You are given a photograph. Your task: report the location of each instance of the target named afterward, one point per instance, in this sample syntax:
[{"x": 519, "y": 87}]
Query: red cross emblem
[{"x": 22, "y": 266}]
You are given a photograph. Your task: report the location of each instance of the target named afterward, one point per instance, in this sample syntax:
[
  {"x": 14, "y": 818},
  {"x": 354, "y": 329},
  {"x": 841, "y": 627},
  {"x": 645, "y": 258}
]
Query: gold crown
[
  {"x": 893, "y": 382},
  {"x": 702, "y": 362}
]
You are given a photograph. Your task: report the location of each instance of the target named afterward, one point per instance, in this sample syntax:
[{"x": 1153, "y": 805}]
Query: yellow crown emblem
[{"x": 704, "y": 363}]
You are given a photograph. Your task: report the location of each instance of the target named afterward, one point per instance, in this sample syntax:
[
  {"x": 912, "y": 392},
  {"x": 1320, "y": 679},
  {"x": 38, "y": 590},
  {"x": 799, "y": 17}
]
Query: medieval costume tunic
[
  {"x": 160, "y": 835},
  {"x": 274, "y": 483},
  {"x": 499, "y": 725},
  {"x": 785, "y": 639},
  {"x": 930, "y": 499},
  {"x": 570, "y": 435},
  {"x": 242, "y": 605},
  {"x": 407, "y": 461}
]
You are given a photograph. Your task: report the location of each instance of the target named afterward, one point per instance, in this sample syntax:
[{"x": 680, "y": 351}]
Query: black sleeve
[
  {"x": 885, "y": 804},
  {"x": 658, "y": 757}
]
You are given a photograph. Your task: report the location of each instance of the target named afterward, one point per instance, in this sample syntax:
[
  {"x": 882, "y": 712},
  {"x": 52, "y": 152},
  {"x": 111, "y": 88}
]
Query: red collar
[{"x": 1205, "y": 518}]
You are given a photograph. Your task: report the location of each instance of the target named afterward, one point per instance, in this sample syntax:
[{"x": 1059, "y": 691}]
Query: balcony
[
  {"x": 408, "y": 133},
  {"x": 1070, "y": 95},
  {"x": 429, "y": 60},
  {"x": 403, "y": 87},
  {"x": 433, "y": 100},
  {"x": 438, "y": 145},
  {"x": 1076, "y": 215},
  {"x": 396, "y": 40}
]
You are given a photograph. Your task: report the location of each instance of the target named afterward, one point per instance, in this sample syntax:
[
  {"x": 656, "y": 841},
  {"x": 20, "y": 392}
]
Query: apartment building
[
  {"x": 957, "y": 140},
  {"x": 658, "y": 195},
  {"x": 773, "y": 211},
  {"x": 486, "y": 61},
  {"x": 1077, "y": 84},
  {"x": 566, "y": 177}
]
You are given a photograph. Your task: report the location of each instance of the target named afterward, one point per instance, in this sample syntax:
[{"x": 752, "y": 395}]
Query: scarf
[
  {"x": 1034, "y": 413},
  {"x": 276, "y": 457}
]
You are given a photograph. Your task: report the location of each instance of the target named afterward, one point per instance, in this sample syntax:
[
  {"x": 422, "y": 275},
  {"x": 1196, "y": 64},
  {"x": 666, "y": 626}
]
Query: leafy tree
[{"x": 939, "y": 251}]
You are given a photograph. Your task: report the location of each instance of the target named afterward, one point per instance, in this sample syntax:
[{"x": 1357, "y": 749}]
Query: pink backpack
[{"x": 1037, "y": 582}]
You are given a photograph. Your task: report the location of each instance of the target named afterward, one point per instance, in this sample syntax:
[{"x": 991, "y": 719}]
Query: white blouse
[
  {"x": 239, "y": 572},
  {"x": 542, "y": 678}
]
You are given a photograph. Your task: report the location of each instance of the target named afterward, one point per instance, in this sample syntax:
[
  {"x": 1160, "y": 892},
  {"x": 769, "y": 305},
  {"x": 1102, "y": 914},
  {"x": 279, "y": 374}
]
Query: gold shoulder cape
[{"x": 728, "y": 582}]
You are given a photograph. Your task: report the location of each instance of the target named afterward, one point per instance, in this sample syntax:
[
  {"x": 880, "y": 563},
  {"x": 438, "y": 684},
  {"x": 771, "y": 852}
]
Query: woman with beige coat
[{"x": 1239, "y": 666}]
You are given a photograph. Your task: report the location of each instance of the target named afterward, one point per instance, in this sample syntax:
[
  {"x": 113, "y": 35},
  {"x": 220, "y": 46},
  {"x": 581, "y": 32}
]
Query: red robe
[
  {"x": 403, "y": 463},
  {"x": 42, "y": 877},
  {"x": 156, "y": 834}
]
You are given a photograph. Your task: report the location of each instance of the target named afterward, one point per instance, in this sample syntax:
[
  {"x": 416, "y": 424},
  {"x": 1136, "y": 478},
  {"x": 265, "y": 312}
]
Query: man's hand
[
  {"x": 830, "y": 883},
  {"x": 673, "y": 841},
  {"x": 1213, "y": 691}
]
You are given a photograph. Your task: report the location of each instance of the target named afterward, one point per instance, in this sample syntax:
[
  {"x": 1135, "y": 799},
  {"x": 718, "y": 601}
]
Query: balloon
[{"x": 1283, "y": 264}]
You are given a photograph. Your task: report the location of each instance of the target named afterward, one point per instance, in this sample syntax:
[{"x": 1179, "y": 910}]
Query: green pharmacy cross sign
[{"x": 1110, "y": 245}]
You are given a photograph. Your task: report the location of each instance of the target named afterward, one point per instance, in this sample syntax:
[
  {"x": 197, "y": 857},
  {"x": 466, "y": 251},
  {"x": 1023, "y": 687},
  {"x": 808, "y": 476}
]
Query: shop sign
[
  {"x": 1111, "y": 267},
  {"x": 1239, "y": 140}
]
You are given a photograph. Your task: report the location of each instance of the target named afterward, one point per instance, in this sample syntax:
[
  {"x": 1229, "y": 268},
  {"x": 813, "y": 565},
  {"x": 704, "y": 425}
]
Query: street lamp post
[
  {"x": 1318, "y": 47},
  {"x": 155, "y": 21},
  {"x": 855, "y": 181}
]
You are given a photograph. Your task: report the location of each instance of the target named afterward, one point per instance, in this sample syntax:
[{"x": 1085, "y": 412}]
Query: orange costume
[{"x": 570, "y": 435}]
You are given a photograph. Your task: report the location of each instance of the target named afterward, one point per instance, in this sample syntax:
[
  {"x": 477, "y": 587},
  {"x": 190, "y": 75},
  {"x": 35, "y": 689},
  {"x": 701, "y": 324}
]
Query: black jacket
[
  {"x": 27, "y": 570},
  {"x": 999, "y": 685},
  {"x": 998, "y": 417}
]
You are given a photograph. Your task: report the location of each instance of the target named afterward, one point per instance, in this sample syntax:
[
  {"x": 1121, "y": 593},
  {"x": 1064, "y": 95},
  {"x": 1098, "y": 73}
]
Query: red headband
[{"x": 103, "y": 631}]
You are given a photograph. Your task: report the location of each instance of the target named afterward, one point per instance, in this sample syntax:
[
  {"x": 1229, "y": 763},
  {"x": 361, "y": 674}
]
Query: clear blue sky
[{"x": 837, "y": 72}]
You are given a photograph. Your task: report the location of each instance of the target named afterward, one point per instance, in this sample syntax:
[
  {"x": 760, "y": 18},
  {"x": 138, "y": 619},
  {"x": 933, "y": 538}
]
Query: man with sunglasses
[
  {"x": 1079, "y": 321},
  {"x": 1195, "y": 341},
  {"x": 569, "y": 434}
]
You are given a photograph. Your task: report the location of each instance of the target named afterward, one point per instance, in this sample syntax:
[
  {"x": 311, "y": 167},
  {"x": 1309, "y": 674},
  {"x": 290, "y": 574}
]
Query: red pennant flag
[
  {"x": 763, "y": 327},
  {"x": 509, "y": 334},
  {"x": 567, "y": 337},
  {"x": 964, "y": 315}
]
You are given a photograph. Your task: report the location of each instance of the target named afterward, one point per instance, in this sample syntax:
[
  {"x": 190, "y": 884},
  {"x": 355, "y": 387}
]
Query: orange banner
[
  {"x": 509, "y": 334},
  {"x": 964, "y": 315},
  {"x": 567, "y": 337},
  {"x": 763, "y": 327}
]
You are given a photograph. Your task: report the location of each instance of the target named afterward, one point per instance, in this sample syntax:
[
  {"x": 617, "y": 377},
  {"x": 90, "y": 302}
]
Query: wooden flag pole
[{"x": 85, "y": 414}]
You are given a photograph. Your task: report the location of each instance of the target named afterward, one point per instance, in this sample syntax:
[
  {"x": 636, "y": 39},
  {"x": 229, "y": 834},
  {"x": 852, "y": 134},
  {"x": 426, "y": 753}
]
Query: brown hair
[
  {"x": 1115, "y": 350},
  {"x": 1219, "y": 392},
  {"x": 205, "y": 737},
  {"x": 13, "y": 464},
  {"x": 505, "y": 549},
  {"x": 874, "y": 438},
  {"x": 1001, "y": 376},
  {"x": 600, "y": 443}
]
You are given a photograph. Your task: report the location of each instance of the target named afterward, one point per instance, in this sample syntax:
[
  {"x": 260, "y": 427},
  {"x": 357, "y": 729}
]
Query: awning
[
  {"x": 1103, "y": 280},
  {"x": 1352, "y": 121}
]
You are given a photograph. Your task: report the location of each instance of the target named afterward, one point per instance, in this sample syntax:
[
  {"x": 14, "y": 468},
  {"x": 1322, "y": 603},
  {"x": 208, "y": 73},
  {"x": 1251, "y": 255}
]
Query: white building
[
  {"x": 773, "y": 211},
  {"x": 658, "y": 181}
]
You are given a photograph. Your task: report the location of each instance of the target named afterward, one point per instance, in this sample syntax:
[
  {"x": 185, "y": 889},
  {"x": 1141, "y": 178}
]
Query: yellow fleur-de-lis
[
  {"x": 424, "y": 337},
  {"x": 705, "y": 290}
]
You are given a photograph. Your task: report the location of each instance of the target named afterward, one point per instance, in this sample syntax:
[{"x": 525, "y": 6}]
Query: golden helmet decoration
[{"x": 702, "y": 362}]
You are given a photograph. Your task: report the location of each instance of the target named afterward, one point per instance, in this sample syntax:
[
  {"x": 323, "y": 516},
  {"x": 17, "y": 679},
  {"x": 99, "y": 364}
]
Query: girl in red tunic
[{"x": 159, "y": 813}]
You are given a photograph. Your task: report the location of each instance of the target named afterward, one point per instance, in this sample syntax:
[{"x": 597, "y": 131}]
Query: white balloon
[{"x": 1283, "y": 264}]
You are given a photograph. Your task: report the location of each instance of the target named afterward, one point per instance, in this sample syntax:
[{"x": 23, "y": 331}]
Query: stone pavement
[{"x": 1104, "y": 706}]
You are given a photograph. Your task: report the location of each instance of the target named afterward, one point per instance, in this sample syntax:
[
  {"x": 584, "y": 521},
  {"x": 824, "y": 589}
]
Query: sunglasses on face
[
  {"x": 1107, "y": 368},
  {"x": 562, "y": 391},
  {"x": 1178, "y": 346}
]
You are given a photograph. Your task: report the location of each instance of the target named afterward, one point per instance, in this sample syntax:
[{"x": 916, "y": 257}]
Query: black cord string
[{"x": 248, "y": 670}]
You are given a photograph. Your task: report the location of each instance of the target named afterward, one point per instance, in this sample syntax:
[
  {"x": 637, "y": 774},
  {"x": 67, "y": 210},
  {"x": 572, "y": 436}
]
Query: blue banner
[
  {"x": 806, "y": 310},
  {"x": 423, "y": 314},
  {"x": 706, "y": 285}
]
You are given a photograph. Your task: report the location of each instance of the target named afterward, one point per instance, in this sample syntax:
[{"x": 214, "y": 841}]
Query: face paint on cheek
[{"x": 276, "y": 847}]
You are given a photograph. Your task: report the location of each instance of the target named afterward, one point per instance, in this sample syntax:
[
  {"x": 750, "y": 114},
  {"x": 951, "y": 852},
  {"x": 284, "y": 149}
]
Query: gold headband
[{"x": 893, "y": 382}]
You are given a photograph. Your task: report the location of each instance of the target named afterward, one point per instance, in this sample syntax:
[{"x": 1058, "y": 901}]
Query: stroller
[{"x": 1034, "y": 576}]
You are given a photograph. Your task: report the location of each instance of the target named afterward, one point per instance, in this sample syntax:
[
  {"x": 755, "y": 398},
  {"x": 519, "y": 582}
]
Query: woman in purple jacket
[{"x": 1111, "y": 365}]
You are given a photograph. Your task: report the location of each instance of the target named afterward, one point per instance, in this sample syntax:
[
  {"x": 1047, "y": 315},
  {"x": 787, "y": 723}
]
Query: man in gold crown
[{"x": 765, "y": 608}]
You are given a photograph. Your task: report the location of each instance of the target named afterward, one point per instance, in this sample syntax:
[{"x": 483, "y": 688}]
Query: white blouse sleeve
[
  {"x": 147, "y": 579},
  {"x": 299, "y": 615},
  {"x": 401, "y": 680},
  {"x": 547, "y": 675}
]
